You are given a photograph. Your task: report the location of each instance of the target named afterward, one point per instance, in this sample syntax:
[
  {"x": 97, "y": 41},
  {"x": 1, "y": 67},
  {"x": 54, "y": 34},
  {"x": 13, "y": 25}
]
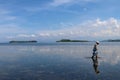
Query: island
[
  {"x": 112, "y": 40},
  {"x": 32, "y": 41},
  {"x": 68, "y": 40}
]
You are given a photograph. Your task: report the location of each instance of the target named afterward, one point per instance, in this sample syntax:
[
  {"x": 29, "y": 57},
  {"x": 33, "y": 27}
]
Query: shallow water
[{"x": 59, "y": 61}]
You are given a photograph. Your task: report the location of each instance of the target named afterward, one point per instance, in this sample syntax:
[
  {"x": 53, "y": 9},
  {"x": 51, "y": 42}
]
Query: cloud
[
  {"x": 95, "y": 28},
  {"x": 92, "y": 29},
  {"x": 3, "y": 11},
  {"x": 9, "y": 31},
  {"x": 56, "y": 3},
  {"x": 5, "y": 15},
  {"x": 110, "y": 27},
  {"x": 26, "y": 35},
  {"x": 49, "y": 5},
  {"x": 10, "y": 28}
]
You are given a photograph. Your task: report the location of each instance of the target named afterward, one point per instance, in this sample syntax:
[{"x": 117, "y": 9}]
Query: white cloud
[
  {"x": 44, "y": 34},
  {"x": 26, "y": 35},
  {"x": 110, "y": 27},
  {"x": 57, "y": 3},
  {"x": 96, "y": 28},
  {"x": 5, "y": 15},
  {"x": 47, "y": 6},
  {"x": 10, "y": 28},
  {"x": 3, "y": 11},
  {"x": 60, "y": 2}
]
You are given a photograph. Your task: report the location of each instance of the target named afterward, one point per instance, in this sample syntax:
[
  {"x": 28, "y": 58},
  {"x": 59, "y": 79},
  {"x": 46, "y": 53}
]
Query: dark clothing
[{"x": 95, "y": 50}]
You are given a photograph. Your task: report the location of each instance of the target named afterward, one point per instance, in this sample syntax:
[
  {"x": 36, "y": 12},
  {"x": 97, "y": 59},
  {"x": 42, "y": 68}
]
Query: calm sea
[{"x": 59, "y": 61}]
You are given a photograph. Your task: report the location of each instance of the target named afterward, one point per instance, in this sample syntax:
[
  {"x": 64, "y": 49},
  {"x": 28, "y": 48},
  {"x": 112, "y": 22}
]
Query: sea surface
[{"x": 59, "y": 61}]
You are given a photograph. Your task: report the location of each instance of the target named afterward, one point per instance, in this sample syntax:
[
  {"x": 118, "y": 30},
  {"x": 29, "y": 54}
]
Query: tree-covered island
[
  {"x": 112, "y": 40},
  {"x": 32, "y": 41},
  {"x": 68, "y": 40}
]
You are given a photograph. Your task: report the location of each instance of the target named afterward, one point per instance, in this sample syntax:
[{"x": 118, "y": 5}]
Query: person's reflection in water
[{"x": 95, "y": 65}]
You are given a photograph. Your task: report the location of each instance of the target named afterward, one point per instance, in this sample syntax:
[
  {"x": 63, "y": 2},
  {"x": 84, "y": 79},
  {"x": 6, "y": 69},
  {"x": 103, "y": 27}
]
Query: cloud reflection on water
[
  {"x": 48, "y": 62},
  {"x": 109, "y": 53}
]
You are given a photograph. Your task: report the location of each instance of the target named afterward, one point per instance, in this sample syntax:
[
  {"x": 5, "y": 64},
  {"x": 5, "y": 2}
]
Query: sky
[{"x": 51, "y": 20}]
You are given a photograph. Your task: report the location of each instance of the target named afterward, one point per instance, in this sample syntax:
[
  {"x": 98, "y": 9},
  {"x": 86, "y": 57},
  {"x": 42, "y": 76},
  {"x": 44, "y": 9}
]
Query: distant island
[
  {"x": 112, "y": 40},
  {"x": 68, "y": 40},
  {"x": 32, "y": 41}
]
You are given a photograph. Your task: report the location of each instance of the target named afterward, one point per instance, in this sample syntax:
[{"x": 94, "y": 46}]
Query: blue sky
[{"x": 51, "y": 20}]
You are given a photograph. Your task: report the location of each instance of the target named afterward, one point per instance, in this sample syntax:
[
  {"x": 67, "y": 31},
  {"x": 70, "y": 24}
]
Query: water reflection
[
  {"x": 110, "y": 53},
  {"x": 59, "y": 62},
  {"x": 95, "y": 65}
]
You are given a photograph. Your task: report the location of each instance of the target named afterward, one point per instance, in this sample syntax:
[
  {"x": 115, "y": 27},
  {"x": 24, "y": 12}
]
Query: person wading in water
[{"x": 95, "y": 50}]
